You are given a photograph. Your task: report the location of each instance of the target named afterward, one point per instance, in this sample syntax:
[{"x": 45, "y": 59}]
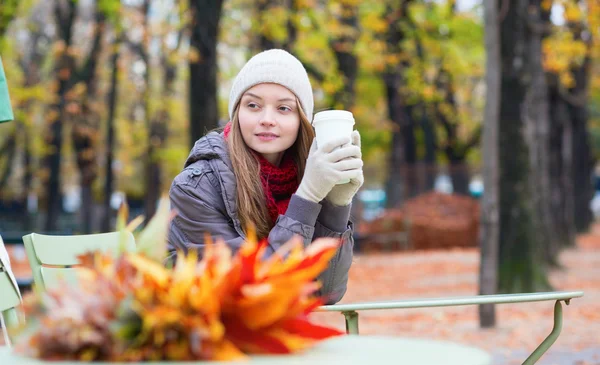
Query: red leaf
[
  {"x": 303, "y": 327},
  {"x": 245, "y": 338}
]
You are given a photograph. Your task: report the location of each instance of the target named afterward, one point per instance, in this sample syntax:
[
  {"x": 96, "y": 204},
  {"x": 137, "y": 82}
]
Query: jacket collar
[{"x": 213, "y": 148}]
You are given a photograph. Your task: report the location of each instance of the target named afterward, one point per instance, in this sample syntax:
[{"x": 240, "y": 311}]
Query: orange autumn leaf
[
  {"x": 274, "y": 291},
  {"x": 222, "y": 306}
]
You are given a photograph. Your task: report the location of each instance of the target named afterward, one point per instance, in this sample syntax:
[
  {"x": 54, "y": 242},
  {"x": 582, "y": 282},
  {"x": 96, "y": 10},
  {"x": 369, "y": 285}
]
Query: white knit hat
[{"x": 274, "y": 66}]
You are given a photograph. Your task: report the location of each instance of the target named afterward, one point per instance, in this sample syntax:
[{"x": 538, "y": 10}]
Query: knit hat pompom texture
[{"x": 274, "y": 66}]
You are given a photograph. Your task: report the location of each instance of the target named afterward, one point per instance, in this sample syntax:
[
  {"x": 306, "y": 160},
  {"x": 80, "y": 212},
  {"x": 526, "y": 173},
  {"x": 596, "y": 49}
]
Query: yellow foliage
[
  {"x": 561, "y": 52},
  {"x": 349, "y": 3},
  {"x": 547, "y": 4},
  {"x": 428, "y": 92},
  {"x": 374, "y": 23},
  {"x": 566, "y": 79},
  {"x": 305, "y": 4},
  {"x": 572, "y": 12},
  {"x": 273, "y": 23},
  {"x": 194, "y": 55},
  {"x": 329, "y": 87}
]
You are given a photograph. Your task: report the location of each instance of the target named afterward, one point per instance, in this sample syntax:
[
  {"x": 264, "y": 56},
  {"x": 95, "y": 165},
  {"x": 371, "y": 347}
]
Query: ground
[{"x": 520, "y": 327}]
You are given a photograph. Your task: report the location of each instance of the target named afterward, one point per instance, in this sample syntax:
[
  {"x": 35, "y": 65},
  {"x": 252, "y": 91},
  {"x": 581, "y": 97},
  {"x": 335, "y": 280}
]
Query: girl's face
[{"x": 269, "y": 120}]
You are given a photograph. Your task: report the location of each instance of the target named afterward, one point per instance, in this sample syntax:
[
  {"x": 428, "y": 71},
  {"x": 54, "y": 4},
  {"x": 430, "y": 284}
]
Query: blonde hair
[{"x": 251, "y": 199}]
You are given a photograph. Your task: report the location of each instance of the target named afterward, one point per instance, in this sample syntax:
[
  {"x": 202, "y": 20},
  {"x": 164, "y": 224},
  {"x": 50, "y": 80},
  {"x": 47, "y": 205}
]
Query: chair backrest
[
  {"x": 51, "y": 257},
  {"x": 9, "y": 300}
]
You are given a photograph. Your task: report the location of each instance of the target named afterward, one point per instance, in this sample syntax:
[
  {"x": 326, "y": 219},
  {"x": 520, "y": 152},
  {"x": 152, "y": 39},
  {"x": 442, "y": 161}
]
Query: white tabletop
[{"x": 346, "y": 350}]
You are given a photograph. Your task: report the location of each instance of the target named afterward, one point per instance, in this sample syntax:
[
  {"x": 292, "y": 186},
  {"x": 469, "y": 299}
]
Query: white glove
[
  {"x": 341, "y": 195},
  {"x": 326, "y": 166}
]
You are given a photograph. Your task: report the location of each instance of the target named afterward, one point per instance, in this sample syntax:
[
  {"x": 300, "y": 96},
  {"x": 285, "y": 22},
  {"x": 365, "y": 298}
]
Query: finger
[
  {"x": 334, "y": 143},
  {"x": 350, "y": 151},
  {"x": 356, "y": 138},
  {"x": 360, "y": 179},
  {"x": 349, "y": 164},
  {"x": 350, "y": 174}
]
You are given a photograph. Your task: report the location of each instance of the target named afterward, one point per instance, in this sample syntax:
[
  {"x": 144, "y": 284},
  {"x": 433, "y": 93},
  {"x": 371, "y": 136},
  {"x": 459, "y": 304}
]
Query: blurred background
[{"x": 110, "y": 95}]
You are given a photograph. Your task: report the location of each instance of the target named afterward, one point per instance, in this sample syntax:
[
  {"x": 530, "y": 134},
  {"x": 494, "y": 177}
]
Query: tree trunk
[
  {"x": 576, "y": 99},
  {"x": 562, "y": 196},
  {"x": 158, "y": 135},
  {"x": 537, "y": 133},
  {"x": 265, "y": 9},
  {"x": 430, "y": 151},
  {"x": 7, "y": 14},
  {"x": 31, "y": 65},
  {"x": 8, "y": 151},
  {"x": 521, "y": 264},
  {"x": 583, "y": 165},
  {"x": 428, "y": 168},
  {"x": 28, "y": 220},
  {"x": 110, "y": 135},
  {"x": 489, "y": 232},
  {"x": 86, "y": 129},
  {"x": 582, "y": 169},
  {"x": 572, "y": 163},
  {"x": 568, "y": 191},
  {"x": 455, "y": 148},
  {"x": 87, "y": 208},
  {"x": 204, "y": 114},
  {"x": 446, "y": 113},
  {"x": 460, "y": 176},
  {"x": 65, "y": 16},
  {"x": 347, "y": 62},
  {"x": 83, "y": 140},
  {"x": 401, "y": 179},
  {"x": 394, "y": 186},
  {"x": 153, "y": 125},
  {"x": 153, "y": 181}
]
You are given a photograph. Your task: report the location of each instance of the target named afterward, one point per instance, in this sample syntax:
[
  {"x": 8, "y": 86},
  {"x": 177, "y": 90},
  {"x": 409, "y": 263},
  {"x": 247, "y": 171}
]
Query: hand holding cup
[
  {"x": 333, "y": 162},
  {"x": 331, "y": 124}
]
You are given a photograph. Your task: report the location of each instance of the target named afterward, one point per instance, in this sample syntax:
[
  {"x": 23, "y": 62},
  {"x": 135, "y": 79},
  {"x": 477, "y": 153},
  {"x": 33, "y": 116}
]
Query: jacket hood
[{"x": 209, "y": 147}]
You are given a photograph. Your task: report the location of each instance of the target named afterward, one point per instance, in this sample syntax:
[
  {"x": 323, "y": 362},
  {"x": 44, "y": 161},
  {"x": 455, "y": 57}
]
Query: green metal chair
[
  {"x": 350, "y": 311},
  {"x": 51, "y": 257},
  {"x": 9, "y": 300}
]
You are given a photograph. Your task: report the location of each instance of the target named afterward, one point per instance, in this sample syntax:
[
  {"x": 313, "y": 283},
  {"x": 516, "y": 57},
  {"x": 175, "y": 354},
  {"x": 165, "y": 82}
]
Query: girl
[{"x": 265, "y": 169}]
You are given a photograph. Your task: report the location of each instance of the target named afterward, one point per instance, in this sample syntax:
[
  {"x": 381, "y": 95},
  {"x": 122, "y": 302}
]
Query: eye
[
  {"x": 284, "y": 108},
  {"x": 252, "y": 105}
]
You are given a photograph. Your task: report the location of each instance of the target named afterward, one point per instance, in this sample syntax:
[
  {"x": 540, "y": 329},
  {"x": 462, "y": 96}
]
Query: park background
[{"x": 458, "y": 126}]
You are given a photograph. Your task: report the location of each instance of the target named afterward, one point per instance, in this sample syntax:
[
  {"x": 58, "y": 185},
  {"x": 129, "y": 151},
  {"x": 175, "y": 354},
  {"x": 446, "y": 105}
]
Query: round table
[{"x": 346, "y": 350}]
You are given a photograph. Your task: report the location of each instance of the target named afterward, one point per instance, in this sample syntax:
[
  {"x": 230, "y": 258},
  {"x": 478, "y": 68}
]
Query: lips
[{"x": 266, "y": 136}]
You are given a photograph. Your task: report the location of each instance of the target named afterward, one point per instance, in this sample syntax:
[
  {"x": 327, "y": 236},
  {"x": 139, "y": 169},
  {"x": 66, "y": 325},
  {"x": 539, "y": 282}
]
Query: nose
[{"x": 268, "y": 118}]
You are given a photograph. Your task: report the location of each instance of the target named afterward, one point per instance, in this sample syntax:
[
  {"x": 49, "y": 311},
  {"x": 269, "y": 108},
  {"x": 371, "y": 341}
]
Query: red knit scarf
[{"x": 278, "y": 182}]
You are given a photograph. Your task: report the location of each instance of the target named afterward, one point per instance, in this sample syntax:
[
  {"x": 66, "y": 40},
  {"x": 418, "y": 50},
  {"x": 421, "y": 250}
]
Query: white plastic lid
[{"x": 333, "y": 114}]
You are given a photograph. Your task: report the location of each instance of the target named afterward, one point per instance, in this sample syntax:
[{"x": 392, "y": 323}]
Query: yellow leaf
[
  {"x": 152, "y": 241},
  {"x": 135, "y": 223},
  {"x": 151, "y": 268},
  {"x": 291, "y": 341},
  {"x": 225, "y": 350}
]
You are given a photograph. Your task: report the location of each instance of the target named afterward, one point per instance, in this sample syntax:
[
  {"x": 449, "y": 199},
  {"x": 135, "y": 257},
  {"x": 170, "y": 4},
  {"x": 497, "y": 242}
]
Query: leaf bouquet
[{"x": 224, "y": 306}]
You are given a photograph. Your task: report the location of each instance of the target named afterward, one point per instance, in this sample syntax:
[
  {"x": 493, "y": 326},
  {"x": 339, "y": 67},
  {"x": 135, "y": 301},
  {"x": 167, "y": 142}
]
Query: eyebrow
[{"x": 258, "y": 97}]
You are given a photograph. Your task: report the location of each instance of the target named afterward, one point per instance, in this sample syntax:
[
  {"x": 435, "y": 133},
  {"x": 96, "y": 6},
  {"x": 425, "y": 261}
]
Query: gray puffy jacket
[{"x": 204, "y": 196}]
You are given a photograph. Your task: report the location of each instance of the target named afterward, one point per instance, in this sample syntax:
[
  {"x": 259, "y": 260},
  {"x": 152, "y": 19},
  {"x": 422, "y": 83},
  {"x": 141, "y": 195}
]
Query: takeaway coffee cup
[{"x": 331, "y": 124}]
